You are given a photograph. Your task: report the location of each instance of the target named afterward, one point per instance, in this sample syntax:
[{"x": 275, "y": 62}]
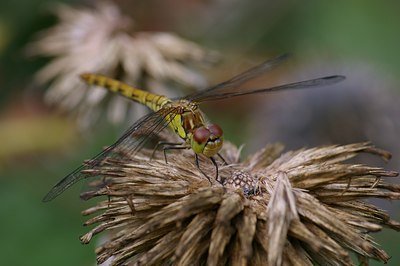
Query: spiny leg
[
  {"x": 167, "y": 146},
  {"x": 173, "y": 146},
  {"x": 198, "y": 167},
  {"x": 214, "y": 163},
  {"x": 222, "y": 158},
  {"x": 179, "y": 146},
  {"x": 216, "y": 167},
  {"x": 163, "y": 143}
]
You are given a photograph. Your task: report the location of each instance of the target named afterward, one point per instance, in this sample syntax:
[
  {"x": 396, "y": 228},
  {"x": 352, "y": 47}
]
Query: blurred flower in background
[{"x": 102, "y": 40}]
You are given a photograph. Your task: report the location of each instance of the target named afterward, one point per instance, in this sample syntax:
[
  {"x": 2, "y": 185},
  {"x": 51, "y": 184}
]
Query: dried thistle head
[
  {"x": 102, "y": 40},
  {"x": 300, "y": 208}
]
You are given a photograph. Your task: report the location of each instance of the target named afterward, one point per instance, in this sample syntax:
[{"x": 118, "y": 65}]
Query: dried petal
[{"x": 161, "y": 213}]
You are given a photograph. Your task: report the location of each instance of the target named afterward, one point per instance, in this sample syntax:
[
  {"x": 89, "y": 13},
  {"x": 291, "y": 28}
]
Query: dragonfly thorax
[
  {"x": 187, "y": 117},
  {"x": 190, "y": 125}
]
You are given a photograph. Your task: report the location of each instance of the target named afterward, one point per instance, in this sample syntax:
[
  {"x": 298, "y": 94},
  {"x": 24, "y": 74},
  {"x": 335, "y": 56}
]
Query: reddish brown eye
[
  {"x": 201, "y": 134},
  {"x": 215, "y": 130}
]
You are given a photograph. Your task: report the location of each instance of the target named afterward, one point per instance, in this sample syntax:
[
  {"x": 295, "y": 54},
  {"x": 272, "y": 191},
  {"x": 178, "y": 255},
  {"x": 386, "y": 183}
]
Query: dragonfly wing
[
  {"x": 236, "y": 81},
  {"x": 290, "y": 86},
  {"x": 132, "y": 141},
  {"x": 231, "y": 88}
]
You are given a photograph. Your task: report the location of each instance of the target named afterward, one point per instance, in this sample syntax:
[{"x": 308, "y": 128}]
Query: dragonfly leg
[
  {"x": 222, "y": 158},
  {"x": 163, "y": 143},
  {"x": 216, "y": 167},
  {"x": 198, "y": 167},
  {"x": 172, "y": 146},
  {"x": 214, "y": 163}
]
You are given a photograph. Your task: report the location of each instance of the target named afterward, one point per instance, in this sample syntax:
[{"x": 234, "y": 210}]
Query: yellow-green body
[{"x": 184, "y": 122}]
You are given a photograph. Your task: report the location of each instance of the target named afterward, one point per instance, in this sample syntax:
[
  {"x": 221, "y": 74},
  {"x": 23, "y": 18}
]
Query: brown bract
[{"x": 302, "y": 207}]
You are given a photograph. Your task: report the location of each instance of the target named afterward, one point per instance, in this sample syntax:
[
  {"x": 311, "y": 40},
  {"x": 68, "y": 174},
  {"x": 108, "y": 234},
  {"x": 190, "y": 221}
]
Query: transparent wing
[
  {"x": 219, "y": 95},
  {"x": 236, "y": 81},
  {"x": 131, "y": 141},
  {"x": 231, "y": 87}
]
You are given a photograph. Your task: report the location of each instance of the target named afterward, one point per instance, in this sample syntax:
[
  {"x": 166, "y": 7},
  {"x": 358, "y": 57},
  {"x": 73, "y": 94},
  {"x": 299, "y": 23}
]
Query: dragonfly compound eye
[
  {"x": 215, "y": 130},
  {"x": 201, "y": 135}
]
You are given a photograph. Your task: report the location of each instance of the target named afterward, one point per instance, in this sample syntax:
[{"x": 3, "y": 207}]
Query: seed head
[{"x": 302, "y": 207}]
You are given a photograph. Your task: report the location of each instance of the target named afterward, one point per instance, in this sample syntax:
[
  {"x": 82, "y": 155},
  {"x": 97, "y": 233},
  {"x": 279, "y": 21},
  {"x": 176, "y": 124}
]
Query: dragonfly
[{"x": 182, "y": 115}]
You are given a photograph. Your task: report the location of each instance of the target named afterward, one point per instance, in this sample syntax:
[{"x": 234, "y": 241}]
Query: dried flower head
[
  {"x": 301, "y": 208},
  {"x": 102, "y": 40}
]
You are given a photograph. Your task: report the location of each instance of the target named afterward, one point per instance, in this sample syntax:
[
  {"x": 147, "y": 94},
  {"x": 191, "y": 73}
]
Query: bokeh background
[{"x": 359, "y": 39}]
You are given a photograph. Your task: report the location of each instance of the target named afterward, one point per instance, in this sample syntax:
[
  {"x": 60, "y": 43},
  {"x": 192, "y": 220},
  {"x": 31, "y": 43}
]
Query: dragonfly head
[{"x": 207, "y": 140}]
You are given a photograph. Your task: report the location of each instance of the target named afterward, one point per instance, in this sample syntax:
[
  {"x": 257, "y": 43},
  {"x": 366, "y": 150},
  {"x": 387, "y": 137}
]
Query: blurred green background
[{"x": 359, "y": 39}]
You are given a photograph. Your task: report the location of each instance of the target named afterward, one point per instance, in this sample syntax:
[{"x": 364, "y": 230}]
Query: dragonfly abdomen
[{"x": 153, "y": 101}]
